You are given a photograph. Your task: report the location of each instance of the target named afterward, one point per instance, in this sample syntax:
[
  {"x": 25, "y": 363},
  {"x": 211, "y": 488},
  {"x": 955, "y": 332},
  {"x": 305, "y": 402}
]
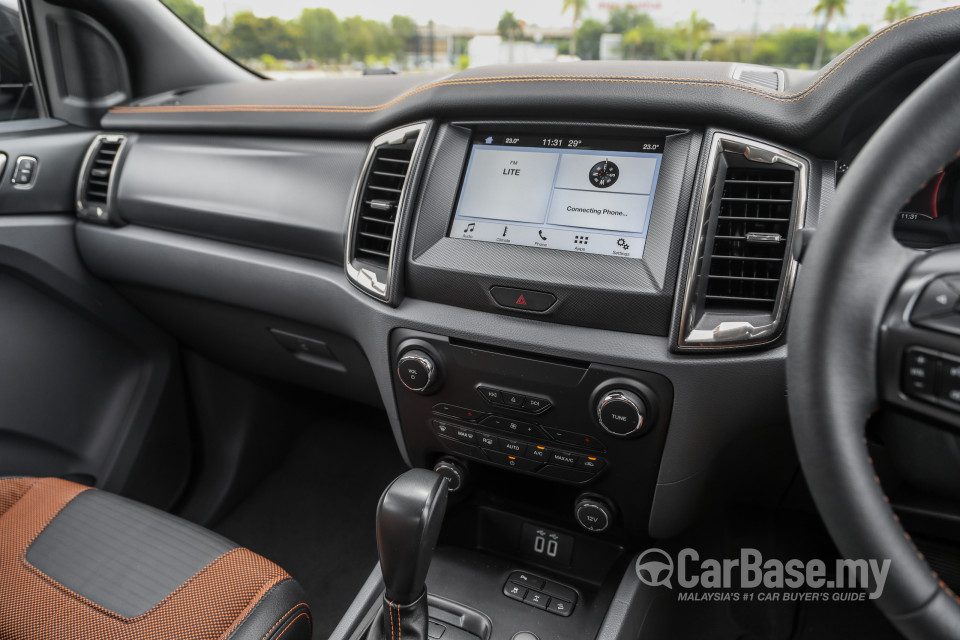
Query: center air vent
[
  {"x": 750, "y": 241},
  {"x": 741, "y": 273},
  {"x": 96, "y": 177},
  {"x": 378, "y": 210}
]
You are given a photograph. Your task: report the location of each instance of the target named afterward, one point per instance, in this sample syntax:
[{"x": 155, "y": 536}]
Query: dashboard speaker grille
[
  {"x": 760, "y": 76},
  {"x": 750, "y": 241},
  {"x": 378, "y": 209}
]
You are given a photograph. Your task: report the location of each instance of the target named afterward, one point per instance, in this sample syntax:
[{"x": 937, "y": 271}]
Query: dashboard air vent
[
  {"x": 96, "y": 177},
  {"x": 750, "y": 241},
  {"x": 378, "y": 209},
  {"x": 742, "y": 270}
]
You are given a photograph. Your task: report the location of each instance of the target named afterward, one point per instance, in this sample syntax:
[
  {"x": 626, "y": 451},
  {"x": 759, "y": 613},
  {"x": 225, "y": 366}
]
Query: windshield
[{"x": 292, "y": 39}]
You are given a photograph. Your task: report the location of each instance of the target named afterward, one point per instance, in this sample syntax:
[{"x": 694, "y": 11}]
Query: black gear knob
[{"x": 408, "y": 524}]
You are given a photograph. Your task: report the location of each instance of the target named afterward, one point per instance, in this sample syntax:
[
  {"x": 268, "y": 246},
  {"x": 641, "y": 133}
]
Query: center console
[
  {"x": 579, "y": 225},
  {"x": 551, "y": 463},
  {"x": 582, "y": 437}
]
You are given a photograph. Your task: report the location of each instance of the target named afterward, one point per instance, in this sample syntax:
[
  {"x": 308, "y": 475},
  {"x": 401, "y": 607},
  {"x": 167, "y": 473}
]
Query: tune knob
[
  {"x": 451, "y": 470},
  {"x": 417, "y": 370},
  {"x": 622, "y": 413}
]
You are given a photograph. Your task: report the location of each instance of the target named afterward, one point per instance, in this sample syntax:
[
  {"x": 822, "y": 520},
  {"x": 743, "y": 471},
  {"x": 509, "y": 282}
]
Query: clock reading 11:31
[{"x": 560, "y": 142}]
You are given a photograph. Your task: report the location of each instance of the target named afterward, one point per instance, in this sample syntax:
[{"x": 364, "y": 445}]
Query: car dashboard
[{"x": 573, "y": 282}]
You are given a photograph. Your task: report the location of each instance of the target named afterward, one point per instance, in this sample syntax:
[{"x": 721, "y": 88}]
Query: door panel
[{"x": 89, "y": 389}]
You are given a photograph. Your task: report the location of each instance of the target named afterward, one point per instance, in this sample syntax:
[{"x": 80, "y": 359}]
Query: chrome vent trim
[
  {"x": 700, "y": 330},
  {"x": 368, "y": 278},
  {"x": 94, "y": 189}
]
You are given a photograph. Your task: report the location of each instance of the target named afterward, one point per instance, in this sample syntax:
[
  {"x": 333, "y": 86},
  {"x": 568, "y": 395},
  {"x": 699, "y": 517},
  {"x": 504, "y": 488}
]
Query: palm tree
[
  {"x": 578, "y": 7},
  {"x": 695, "y": 30},
  {"x": 829, "y": 8},
  {"x": 896, "y": 11},
  {"x": 509, "y": 28}
]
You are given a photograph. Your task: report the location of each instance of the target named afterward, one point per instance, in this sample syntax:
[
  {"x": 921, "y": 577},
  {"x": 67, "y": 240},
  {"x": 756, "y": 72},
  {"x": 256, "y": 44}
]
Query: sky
[{"x": 727, "y": 15}]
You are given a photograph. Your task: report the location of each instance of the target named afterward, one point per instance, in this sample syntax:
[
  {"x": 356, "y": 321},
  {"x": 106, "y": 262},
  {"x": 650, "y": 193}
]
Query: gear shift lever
[{"x": 408, "y": 524}]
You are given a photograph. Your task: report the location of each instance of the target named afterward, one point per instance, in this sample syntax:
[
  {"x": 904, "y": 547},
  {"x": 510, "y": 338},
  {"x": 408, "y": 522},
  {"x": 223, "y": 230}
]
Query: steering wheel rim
[{"x": 851, "y": 272}]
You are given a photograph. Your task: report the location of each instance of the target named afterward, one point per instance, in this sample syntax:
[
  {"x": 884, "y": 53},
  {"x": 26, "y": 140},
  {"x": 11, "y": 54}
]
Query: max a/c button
[{"x": 522, "y": 299}]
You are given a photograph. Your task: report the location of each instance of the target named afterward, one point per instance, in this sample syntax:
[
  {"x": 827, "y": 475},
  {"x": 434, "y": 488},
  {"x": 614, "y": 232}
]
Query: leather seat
[{"x": 81, "y": 563}]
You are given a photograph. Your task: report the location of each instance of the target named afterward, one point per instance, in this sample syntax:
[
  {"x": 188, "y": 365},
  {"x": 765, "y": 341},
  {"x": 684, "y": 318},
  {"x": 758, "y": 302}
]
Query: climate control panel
[{"x": 573, "y": 423}]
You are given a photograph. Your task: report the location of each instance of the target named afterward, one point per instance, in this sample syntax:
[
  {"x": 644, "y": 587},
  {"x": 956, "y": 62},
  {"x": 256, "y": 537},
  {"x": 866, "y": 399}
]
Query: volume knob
[
  {"x": 622, "y": 413},
  {"x": 416, "y": 370}
]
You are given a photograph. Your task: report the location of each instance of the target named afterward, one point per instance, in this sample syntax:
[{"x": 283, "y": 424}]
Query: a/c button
[{"x": 523, "y": 299}]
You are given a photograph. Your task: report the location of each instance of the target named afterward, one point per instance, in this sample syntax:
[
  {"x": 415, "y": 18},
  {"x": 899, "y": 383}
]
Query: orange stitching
[
  {"x": 277, "y": 623},
  {"x": 906, "y": 535},
  {"x": 290, "y": 625},
  {"x": 535, "y": 78},
  {"x": 399, "y": 624},
  {"x": 117, "y": 616},
  {"x": 390, "y": 609},
  {"x": 256, "y": 599}
]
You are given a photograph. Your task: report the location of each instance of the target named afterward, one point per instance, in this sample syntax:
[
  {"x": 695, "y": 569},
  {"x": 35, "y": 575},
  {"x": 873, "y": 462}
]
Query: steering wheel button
[
  {"x": 937, "y": 299},
  {"x": 947, "y": 323},
  {"x": 919, "y": 372},
  {"x": 949, "y": 390}
]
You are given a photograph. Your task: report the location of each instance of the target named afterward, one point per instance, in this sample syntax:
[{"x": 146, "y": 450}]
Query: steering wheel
[{"x": 850, "y": 335}]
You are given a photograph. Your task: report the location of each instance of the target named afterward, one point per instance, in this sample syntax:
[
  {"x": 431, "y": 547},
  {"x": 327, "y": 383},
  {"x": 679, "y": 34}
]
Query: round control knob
[
  {"x": 416, "y": 370},
  {"x": 593, "y": 514},
  {"x": 621, "y": 413},
  {"x": 455, "y": 474}
]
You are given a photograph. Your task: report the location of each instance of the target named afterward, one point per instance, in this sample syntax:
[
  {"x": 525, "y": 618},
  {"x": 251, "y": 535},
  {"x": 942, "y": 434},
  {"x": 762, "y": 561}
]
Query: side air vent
[
  {"x": 742, "y": 270},
  {"x": 378, "y": 210},
  {"x": 96, "y": 177},
  {"x": 759, "y": 76}
]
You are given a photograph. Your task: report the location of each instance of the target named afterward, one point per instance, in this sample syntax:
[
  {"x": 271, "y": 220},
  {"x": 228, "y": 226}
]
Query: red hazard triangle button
[{"x": 525, "y": 299}]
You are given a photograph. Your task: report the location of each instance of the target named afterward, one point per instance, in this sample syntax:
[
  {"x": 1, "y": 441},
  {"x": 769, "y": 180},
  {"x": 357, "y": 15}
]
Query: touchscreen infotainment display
[{"x": 585, "y": 194}]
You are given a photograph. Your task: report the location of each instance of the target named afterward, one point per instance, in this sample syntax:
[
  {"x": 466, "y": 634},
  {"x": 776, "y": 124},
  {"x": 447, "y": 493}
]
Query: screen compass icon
[{"x": 604, "y": 174}]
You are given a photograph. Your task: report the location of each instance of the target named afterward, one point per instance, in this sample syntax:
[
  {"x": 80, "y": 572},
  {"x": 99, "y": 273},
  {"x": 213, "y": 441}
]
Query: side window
[{"x": 17, "y": 97}]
